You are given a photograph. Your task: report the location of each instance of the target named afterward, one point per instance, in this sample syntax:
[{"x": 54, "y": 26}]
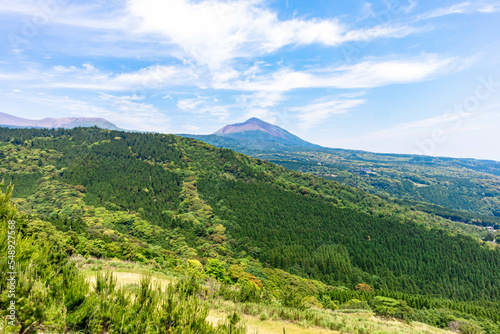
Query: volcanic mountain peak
[
  {"x": 253, "y": 124},
  {"x": 257, "y": 132}
]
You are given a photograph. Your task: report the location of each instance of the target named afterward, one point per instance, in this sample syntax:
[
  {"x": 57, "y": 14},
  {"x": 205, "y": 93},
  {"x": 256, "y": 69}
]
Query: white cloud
[
  {"x": 209, "y": 35},
  {"x": 94, "y": 15},
  {"x": 202, "y": 105},
  {"x": 366, "y": 74},
  {"x": 191, "y": 128},
  {"x": 421, "y": 127},
  {"x": 88, "y": 77},
  {"x": 318, "y": 111},
  {"x": 214, "y": 32},
  {"x": 466, "y": 7},
  {"x": 191, "y": 105},
  {"x": 262, "y": 99}
]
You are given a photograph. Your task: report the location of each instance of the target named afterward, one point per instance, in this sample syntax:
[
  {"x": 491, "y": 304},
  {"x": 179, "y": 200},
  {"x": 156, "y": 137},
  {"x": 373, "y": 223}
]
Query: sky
[{"x": 395, "y": 76}]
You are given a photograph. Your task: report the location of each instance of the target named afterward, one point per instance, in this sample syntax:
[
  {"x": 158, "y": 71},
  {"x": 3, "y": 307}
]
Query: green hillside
[
  {"x": 465, "y": 190},
  {"x": 180, "y": 205}
]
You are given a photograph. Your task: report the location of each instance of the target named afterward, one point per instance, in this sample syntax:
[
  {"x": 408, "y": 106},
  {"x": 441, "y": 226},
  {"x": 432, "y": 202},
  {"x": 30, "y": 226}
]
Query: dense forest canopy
[
  {"x": 465, "y": 190},
  {"x": 193, "y": 199}
]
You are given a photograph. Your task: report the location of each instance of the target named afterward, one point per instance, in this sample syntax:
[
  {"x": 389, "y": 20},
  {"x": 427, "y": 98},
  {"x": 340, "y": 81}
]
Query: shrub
[
  {"x": 441, "y": 318},
  {"x": 237, "y": 274},
  {"x": 248, "y": 292},
  {"x": 386, "y": 306},
  {"x": 327, "y": 302},
  {"x": 215, "y": 268},
  {"x": 263, "y": 316},
  {"x": 292, "y": 298},
  {"x": 188, "y": 286},
  {"x": 469, "y": 327},
  {"x": 364, "y": 287},
  {"x": 355, "y": 304},
  {"x": 311, "y": 302}
]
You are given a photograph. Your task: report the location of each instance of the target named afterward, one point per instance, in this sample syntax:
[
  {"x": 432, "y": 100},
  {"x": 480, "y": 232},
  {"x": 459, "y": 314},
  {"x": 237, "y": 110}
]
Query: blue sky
[{"x": 402, "y": 76}]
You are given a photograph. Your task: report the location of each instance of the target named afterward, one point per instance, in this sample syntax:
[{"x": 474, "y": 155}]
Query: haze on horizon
[{"x": 402, "y": 76}]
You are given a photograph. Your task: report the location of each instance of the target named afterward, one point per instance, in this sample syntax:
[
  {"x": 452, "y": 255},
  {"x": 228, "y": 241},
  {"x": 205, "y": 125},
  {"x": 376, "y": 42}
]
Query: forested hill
[
  {"x": 137, "y": 196},
  {"x": 465, "y": 190}
]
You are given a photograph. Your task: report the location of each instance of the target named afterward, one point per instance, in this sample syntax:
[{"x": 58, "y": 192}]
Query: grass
[
  {"x": 127, "y": 273},
  {"x": 266, "y": 319},
  {"x": 313, "y": 321}
]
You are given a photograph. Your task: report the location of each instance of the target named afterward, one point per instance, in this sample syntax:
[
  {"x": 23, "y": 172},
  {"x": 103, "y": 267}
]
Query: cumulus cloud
[{"x": 214, "y": 32}]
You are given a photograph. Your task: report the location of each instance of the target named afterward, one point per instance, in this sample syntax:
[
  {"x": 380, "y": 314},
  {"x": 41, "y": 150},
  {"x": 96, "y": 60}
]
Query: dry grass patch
[{"x": 322, "y": 321}]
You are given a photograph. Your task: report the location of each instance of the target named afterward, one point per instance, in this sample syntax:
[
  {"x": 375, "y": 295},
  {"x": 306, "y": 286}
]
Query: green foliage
[
  {"x": 468, "y": 327},
  {"x": 460, "y": 189},
  {"x": 175, "y": 204},
  {"x": 390, "y": 307},
  {"x": 53, "y": 296},
  {"x": 263, "y": 316},
  {"x": 355, "y": 304},
  {"x": 232, "y": 324},
  {"x": 238, "y": 274},
  {"x": 216, "y": 269},
  {"x": 341, "y": 246},
  {"x": 188, "y": 286},
  {"x": 363, "y": 287},
  {"x": 311, "y": 302},
  {"x": 455, "y": 320}
]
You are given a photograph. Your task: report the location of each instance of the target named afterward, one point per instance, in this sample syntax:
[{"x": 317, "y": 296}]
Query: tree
[
  {"x": 7, "y": 210},
  {"x": 386, "y": 306},
  {"x": 215, "y": 268}
]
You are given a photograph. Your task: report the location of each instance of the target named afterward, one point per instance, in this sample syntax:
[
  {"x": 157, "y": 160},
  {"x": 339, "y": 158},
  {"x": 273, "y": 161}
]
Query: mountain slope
[
  {"x": 178, "y": 204},
  {"x": 465, "y": 190},
  {"x": 67, "y": 122},
  {"x": 254, "y": 134},
  {"x": 196, "y": 200}
]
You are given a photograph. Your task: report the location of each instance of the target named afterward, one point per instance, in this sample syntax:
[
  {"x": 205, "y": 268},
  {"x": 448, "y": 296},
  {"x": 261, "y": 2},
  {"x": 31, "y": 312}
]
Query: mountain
[
  {"x": 465, "y": 190},
  {"x": 66, "y": 122},
  {"x": 255, "y": 129},
  {"x": 254, "y": 134},
  {"x": 266, "y": 233}
]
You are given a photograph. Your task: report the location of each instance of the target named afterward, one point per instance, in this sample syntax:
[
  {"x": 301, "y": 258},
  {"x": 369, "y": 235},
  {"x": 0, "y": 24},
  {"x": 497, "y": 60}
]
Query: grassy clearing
[
  {"x": 255, "y": 325},
  {"x": 271, "y": 319},
  {"x": 126, "y": 273},
  {"x": 267, "y": 319},
  {"x": 131, "y": 279}
]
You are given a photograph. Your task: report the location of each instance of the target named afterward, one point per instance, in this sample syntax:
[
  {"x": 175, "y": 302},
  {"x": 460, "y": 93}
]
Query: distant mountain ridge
[
  {"x": 66, "y": 122},
  {"x": 256, "y": 134}
]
